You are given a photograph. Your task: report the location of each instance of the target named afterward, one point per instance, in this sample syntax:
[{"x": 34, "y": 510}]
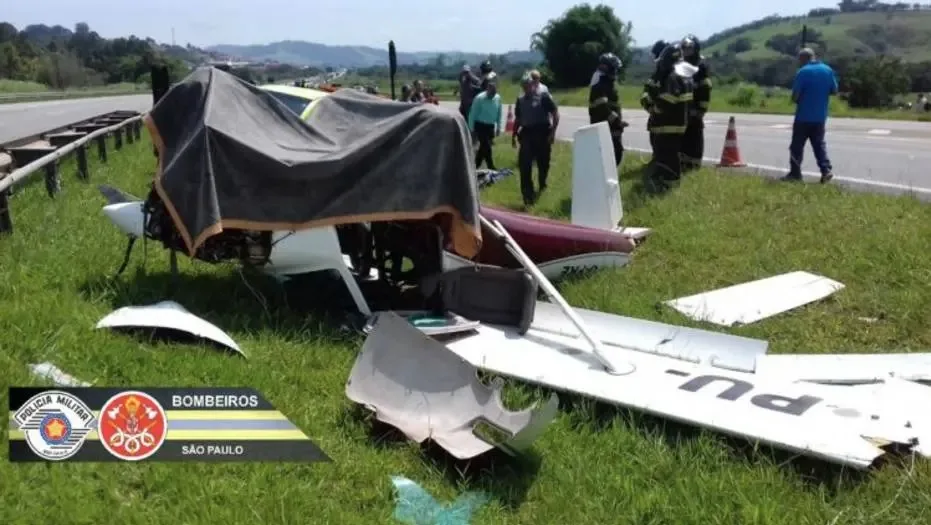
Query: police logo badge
[
  {"x": 55, "y": 424},
  {"x": 132, "y": 426}
]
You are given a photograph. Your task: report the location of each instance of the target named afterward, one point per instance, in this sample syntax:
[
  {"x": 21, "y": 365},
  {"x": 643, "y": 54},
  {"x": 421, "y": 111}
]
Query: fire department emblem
[
  {"x": 132, "y": 426},
  {"x": 55, "y": 424}
]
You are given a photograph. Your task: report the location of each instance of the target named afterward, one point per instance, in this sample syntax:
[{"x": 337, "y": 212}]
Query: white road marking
[
  {"x": 903, "y": 188},
  {"x": 879, "y": 132},
  {"x": 781, "y": 126}
]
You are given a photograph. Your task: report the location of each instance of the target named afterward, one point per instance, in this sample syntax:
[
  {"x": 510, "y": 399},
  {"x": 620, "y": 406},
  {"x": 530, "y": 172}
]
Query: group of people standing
[
  {"x": 415, "y": 93},
  {"x": 536, "y": 118},
  {"x": 676, "y": 96}
]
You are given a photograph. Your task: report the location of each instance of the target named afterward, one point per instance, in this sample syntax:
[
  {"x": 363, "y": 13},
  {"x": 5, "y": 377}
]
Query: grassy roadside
[
  {"x": 13, "y": 91},
  {"x": 594, "y": 465},
  {"x": 738, "y": 99}
]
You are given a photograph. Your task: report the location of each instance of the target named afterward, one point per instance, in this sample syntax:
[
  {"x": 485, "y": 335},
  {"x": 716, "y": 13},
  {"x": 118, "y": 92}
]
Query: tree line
[
  {"x": 572, "y": 43},
  {"x": 845, "y": 6},
  {"x": 62, "y": 58},
  {"x": 570, "y": 46}
]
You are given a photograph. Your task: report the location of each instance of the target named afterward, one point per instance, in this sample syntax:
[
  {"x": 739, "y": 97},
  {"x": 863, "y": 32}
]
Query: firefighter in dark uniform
[
  {"x": 604, "y": 103},
  {"x": 651, "y": 87},
  {"x": 486, "y": 69},
  {"x": 693, "y": 144},
  {"x": 668, "y": 120}
]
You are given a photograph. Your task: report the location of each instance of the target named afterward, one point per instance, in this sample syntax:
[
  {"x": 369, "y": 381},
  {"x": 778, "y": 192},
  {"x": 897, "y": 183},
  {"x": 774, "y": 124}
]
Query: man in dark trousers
[
  {"x": 485, "y": 123},
  {"x": 669, "y": 118},
  {"x": 693, "y": 143},
  {"x": 815, "y": 84},
  {"x": 651, "y": 87},
  {"x": 536, "y": 118},
  {"x": 603, "y": 101}
]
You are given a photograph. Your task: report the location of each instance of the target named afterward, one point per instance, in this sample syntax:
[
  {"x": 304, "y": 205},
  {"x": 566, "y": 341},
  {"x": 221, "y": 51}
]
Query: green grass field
[
  {"x": 594, "y": 465},
  {"x": 13, "y": 91},
  {"x": 909, "y": 34},
  {"x": 741, "y": 98}
]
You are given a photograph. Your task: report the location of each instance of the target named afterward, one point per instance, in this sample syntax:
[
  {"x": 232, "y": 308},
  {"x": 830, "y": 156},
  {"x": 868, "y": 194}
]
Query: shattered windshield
[{"x": 295, "y": 104}]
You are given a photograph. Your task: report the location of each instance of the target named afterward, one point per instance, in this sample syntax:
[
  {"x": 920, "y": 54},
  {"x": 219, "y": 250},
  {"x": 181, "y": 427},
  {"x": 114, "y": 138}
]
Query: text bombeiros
[{"x": 218, "y": 401}]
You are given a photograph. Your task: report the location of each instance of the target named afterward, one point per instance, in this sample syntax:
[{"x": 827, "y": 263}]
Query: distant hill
[
  {"x": 314, "y": 54},
  {"x": 893, "y": 29}
]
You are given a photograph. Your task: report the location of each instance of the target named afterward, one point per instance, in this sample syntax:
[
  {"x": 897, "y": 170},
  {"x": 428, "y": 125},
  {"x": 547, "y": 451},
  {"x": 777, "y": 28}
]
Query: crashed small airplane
[{"x": 378, "y": 191}]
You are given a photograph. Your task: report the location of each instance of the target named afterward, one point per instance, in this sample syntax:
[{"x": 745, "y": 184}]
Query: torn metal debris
[
  {"x": 413, "y": 383},
  {"x": 756, "y": 300},
  {"x": 168, "y": 315},
  {"x": 55, "y": 375}
]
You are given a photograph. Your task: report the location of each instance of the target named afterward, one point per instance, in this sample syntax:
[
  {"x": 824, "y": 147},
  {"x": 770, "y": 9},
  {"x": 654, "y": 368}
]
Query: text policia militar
[{"x": 214, "y": 401}]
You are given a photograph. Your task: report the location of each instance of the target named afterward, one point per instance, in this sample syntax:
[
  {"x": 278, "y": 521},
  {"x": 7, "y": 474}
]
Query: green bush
[{"x": 745, "y": 96}]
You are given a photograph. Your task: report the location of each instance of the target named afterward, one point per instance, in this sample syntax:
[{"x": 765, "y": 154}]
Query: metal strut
[
  {"x": 126, "y": 255},
  {"x": 173, "y": 263}
]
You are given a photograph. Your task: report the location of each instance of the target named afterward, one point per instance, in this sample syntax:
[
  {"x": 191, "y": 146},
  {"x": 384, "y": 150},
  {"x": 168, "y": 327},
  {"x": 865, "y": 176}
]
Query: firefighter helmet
[
  {"x": 611, "y": 63},
  {"x": 691, "y": 48},
  {"x": 658, "y": 48},
  {"x": 668, "y": 57}
]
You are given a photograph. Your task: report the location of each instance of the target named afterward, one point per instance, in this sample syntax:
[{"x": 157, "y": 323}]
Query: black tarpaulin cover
[{"x": 231, "y": 156}]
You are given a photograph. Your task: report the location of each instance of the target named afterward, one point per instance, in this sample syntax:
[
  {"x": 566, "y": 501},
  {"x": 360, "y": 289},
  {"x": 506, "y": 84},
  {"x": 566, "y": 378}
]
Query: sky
[{"x": 414, "y": 25}]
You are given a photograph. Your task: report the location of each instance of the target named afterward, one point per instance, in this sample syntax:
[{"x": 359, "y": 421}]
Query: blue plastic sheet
[
  {"x": 489, "y": 177},
  {"x": 415, "y": 506}
]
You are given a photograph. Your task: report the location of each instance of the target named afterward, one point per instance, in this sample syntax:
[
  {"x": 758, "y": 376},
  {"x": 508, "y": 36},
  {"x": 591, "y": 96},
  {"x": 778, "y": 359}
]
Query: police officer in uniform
[
  {"x": 668, "y": 119},
  {"x": 693, "y": 143},
  {"x": 651, "y": 87},
  {"x": 536, "y": 118},
  {"x": 603, "y": 101}
]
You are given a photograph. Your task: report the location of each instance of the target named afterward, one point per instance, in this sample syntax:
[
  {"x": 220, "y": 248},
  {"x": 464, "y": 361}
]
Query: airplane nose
[{"x": 127, "y": 216}]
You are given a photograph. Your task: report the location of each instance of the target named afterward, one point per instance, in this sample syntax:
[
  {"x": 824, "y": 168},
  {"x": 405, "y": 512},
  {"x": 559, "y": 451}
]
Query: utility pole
[{"x": 172, "y": 36}]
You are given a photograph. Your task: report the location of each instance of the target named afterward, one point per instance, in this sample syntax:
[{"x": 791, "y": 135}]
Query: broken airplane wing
[
  {"x": 806, "y": 418},
  {"x": 845, "y": 368}
]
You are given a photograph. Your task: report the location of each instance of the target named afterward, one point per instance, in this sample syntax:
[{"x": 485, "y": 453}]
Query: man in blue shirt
[{"x": 814, "y": 85}]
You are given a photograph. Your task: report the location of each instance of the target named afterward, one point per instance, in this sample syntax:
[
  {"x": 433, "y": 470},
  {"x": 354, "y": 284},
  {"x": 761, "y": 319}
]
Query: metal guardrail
[{"x": 78, "y": 136}]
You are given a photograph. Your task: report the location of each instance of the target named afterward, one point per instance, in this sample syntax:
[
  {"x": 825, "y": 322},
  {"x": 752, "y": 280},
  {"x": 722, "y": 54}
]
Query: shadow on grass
[
  {"x": 506, "y": 478},
  {"x": 637, "y": 197},
  {"x": 818, "y": 474},
  {"x": 240, "y": 302}
]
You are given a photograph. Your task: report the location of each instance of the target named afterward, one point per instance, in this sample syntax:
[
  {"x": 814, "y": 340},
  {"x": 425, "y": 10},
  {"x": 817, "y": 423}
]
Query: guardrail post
[
  {"x": 137, "y": 129},
  {"x": 129, "y": 134},
  {"x": 81, "y": 154},
  {"x": 52, "y": 180},
  {"x": 118, "y": 139},
  {"x": 102, "y": 148},
  {"x": 6, "y": 221}
]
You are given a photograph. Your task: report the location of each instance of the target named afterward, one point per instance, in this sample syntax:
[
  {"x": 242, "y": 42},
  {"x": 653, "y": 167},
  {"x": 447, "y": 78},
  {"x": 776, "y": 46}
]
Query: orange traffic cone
[
  {"x": 730, "y": 155},
  {"x": 509, "y": 123}
]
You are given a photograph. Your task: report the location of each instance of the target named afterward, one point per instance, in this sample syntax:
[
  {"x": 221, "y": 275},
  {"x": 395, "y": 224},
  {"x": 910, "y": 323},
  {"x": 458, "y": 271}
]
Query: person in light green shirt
[{"x": 485, "y": 122}]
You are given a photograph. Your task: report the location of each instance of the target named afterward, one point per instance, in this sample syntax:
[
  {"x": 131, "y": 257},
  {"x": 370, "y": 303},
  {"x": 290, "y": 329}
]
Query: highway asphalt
[
  {"x": 28, "y": 118},
  {"x": 882, "y": 154},
  {"x": 885, "y": 155}
]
